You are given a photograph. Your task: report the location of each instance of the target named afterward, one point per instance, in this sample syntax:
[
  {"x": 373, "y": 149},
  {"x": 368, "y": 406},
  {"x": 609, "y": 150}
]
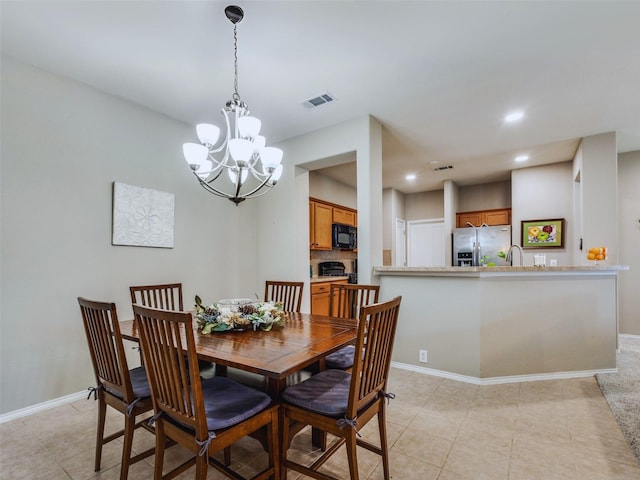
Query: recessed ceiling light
[
  {"x": 522, "y": 158},
  {"x": 514, "y": 117},
  {"x": 411, "y": 176}
]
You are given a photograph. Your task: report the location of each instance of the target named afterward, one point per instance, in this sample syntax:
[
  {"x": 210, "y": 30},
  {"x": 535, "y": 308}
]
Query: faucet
[{"x": 509, "y": 258}]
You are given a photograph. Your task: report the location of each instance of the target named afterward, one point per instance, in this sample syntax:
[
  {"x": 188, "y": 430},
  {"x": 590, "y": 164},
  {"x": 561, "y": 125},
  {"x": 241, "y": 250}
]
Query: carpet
[{"x": 622, "y": 391}]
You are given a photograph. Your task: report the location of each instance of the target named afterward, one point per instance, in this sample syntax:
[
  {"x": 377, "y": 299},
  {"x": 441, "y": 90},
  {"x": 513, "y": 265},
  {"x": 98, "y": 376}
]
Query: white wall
[
  {"x": 63, "y": 144},
  {"x": 485, "y": 196},
  {"x": 540, "y": 193},
  {"x": 329, "y": 190},
  {"x": 599, "y": 183},
  {"x": 424, "y": 205},
  {"x": 393, "y": 208},
  {"x": 629, "y": 253}
]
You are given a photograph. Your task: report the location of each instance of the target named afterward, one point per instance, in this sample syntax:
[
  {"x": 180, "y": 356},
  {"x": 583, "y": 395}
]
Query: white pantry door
[
  {"x": 400, "y": 257},
  {"x": 425, "y": 243}
]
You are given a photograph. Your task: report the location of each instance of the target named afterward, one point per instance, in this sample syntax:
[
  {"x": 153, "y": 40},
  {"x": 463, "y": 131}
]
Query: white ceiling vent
[
  {"x": 318, "y": 100},
  {"x": 448, "y": 167}
]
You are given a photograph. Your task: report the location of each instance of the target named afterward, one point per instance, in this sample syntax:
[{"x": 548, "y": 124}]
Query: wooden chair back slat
[
  {"x": 106, "y": 348},
  {"x": 376, "y": 333},
  {"x": 287, "y": 293},
  {"x": 168, "y": 346},
  {"x": 348, "y": 299},
  {"x": 166, "y": 297}
]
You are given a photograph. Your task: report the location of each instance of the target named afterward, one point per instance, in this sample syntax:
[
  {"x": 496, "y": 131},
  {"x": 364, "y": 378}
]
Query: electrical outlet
[{"x": 422, "y": 356}]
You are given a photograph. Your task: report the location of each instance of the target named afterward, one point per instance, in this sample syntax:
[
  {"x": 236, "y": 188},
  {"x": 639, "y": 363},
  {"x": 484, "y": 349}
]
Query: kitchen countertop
[
  {"x": 492, "y": 271},
  {"x": 328, "y": 278}
]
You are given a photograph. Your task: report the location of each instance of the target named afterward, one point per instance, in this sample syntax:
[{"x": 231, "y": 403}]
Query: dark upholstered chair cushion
[
  {"x": 326, "y": 393},
  {"x": 227, "y": 402},
  {"x": 342, "y": 359},
  {"x": 139, "y": 383}
]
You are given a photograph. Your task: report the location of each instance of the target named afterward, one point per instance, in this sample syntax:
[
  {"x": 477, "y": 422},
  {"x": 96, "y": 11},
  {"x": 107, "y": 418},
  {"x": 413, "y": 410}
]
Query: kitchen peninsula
[{"x": 491, "y": 323}]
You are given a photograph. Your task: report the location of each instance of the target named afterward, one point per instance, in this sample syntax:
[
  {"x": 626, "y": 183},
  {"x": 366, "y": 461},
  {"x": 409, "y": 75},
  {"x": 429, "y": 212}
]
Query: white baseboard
[
  {"x": 499, "y": 380},
  {"x": 628, "y": 335},
  {"x": 56, "y": 402}
]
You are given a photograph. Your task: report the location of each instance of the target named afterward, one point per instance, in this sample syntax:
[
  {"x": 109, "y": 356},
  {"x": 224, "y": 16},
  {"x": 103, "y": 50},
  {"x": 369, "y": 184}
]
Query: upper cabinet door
[
  {"x": 320, "y": 218},
  {"x": 498, "y": 216},
  {"x": 346, "y": 217},
  {"x": 474, "y": 218}
]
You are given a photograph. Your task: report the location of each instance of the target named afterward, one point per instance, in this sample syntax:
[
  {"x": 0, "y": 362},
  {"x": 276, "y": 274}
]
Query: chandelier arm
[
  {"x": 258, "y": 188},
  {"x": 260, "y": 176},
  {"x": 211, "y": 189},
  {"x": 209, "y": 180},
  {"x": 238, "y": 182},
  {"x": 225, "y": 114},
  {"x": 256, "y": 194}
]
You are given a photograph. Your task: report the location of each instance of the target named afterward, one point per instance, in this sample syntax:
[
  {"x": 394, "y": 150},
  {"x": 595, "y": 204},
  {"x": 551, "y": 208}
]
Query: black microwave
[{"x": 344, "y": 237}]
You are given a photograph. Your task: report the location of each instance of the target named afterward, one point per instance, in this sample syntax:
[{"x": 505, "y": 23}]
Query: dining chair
[
  {"x": 167, "y": 296},
  {"x": 287, "y": 293},
  {"x": 346, "y": 302},
  {"x": 205, "y": 416},
  {"x": 342, "y": 403},
  {"x": 127, "y": 391}
]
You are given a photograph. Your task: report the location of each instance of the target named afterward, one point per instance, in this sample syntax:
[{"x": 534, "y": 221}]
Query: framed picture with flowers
[{"x": 543, "y": 233}]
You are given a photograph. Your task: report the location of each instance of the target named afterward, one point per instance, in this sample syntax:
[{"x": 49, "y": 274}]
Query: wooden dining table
[{"x": 276, "y": 354}]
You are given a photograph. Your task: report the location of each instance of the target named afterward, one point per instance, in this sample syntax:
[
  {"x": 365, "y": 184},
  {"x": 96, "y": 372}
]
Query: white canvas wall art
[{"x": 142, "y": 217}]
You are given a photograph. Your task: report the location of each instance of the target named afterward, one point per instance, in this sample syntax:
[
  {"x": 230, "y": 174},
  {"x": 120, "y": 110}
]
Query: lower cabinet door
[{"x": 320, "y": 303}]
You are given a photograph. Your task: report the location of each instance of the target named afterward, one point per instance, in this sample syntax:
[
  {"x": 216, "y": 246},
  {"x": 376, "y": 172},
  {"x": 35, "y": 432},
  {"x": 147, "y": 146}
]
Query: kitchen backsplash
[{"x": 343, "y": 256}]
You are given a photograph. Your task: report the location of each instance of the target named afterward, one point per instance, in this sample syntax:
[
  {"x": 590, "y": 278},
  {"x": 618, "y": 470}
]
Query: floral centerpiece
[{"x": 238, "y": 314}]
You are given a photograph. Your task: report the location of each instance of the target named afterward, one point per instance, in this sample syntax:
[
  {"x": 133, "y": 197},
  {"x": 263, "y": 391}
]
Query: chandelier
[{"x": 251, "y": 168}]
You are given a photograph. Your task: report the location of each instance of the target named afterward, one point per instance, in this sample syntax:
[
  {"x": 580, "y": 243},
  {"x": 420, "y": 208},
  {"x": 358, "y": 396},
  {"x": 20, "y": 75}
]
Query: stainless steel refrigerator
[{"x": 475, "y": 246}]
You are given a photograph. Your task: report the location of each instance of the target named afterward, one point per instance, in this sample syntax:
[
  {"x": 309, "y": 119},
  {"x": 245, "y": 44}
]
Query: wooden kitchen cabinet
[
  {"x": 321, "y": 297},
  {"x": 498, "y": 216},
  {"x": 344, "y": 216},
  {"x": 320, "y": 220}
]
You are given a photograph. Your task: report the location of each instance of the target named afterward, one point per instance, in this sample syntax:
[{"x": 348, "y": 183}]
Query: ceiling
[{"x": 439, "y": 76}]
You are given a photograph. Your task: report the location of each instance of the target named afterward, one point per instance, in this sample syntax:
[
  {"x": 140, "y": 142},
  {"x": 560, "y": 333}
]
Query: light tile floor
[{"x": 438, "y": 429}]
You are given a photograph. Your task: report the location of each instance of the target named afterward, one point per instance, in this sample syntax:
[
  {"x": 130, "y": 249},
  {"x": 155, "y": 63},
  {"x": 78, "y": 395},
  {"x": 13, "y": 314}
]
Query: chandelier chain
[{"x": 236, "y": 96}]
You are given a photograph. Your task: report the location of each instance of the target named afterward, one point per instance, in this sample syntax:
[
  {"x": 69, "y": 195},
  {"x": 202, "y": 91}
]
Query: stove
[
  {"x": 331, "y": 269},
  {"x": 336, "y": 269}
]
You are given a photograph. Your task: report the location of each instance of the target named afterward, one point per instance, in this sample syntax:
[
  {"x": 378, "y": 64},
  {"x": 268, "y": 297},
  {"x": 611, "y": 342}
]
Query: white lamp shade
[
  {"x": 207, "y": 133},
  {"x": 271, "y": 157},
  {"x": 204, "y": 169},
  {"x": 233, "y": 175},
  {"x": 249, "y": 127},
  {"x": 194, "y": 153},
  {"x": 240, "y": 149},
  {"x": 258, "y": 143},
  {"x": 275, "y": 176}
]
